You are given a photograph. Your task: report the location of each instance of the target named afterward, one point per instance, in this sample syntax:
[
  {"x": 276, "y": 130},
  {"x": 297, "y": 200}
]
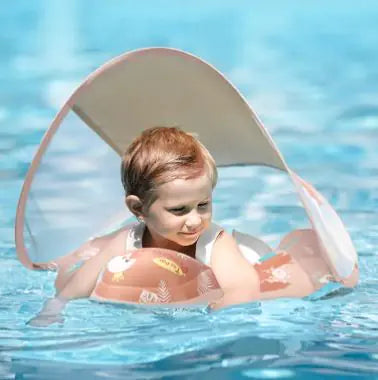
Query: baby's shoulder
[{"x": 225, "y": 241}]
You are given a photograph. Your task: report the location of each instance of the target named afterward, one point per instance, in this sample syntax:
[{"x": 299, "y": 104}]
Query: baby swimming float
[
  {"x": 60, "y": 208},
  {"x": 156, "y": 276}
]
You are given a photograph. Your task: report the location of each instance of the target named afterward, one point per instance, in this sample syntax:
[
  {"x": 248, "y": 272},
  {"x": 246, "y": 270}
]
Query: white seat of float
[
  {"x": 251, "y": 247},
  {"x": 72, "y": 190}
]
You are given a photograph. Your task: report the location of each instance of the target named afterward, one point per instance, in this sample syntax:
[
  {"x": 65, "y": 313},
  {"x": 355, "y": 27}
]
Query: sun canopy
[
  {"x": 59, "y": 209},
  {"x": 163, "y": 87}
]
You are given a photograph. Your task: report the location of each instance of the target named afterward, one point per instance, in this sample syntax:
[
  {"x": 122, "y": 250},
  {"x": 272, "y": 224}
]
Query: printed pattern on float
[
  {"x": 120, "y": 264},
  {"x": 169, "y": 265},
  {"x": 272, "y": 273},
  {"x": 147, "y": 297},
  {"x": 117, "y": 277},
  {"x": 206, "y": 282},
  {"x": 163, "y": 292},
  {"x": 163, "y": 295}
]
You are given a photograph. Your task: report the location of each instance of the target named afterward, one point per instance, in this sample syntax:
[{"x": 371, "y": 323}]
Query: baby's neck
[{"x": 149, "y": 242}]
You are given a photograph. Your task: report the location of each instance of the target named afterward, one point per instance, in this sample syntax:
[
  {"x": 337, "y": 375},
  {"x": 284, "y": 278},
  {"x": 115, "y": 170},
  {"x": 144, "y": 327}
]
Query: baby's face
[{"x": 181, "y": 212}]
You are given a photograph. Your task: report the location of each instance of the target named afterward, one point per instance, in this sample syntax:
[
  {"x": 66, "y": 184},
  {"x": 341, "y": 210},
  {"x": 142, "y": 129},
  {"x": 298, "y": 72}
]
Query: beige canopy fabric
[
  {"x": 138, "y": 90},
  {"x": 166, "y": 87}
]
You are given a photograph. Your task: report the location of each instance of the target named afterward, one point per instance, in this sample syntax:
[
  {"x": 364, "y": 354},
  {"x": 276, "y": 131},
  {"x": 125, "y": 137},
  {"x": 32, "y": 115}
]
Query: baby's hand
[
  {"x": 45, "y": 320},
  {"x": 50, "y": 313}
]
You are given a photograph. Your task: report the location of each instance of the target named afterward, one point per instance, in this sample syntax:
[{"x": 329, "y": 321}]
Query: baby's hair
[{"x": 160, "y": 155}]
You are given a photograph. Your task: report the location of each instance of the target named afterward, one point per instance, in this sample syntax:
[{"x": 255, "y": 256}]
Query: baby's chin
[{"x": 186, "y": 241}]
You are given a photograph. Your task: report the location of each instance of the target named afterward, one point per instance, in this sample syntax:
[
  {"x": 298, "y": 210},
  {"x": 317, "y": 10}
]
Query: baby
[{"x": 169, "y": 177}]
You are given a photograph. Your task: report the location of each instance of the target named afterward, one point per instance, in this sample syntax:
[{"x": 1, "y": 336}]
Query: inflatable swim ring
[{"x": 164, "y": 277}]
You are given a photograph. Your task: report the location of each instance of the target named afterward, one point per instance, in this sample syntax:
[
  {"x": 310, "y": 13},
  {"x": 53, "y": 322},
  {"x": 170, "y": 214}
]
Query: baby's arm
[
  {"x": 241, "y": 281},
  {"x": 236, "y": 276},
  {"x": 79, "y": 285},
  {"x": 50, "y": 312}
]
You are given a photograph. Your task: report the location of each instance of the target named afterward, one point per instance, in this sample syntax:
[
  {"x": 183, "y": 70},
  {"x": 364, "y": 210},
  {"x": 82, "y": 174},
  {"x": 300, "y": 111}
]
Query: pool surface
[{"x": 310, "y": 71}]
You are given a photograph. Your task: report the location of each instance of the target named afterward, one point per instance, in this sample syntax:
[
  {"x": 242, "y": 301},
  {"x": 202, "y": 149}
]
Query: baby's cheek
[
  {"x": 170, "y": 225},
  {"x": 206, "y": 218}
]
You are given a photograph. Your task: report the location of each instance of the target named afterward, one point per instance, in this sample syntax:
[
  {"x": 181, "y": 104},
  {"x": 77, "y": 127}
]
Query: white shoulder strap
[
  {"x": 206, "y": 242},
  {"x": 134, "y": 237}
]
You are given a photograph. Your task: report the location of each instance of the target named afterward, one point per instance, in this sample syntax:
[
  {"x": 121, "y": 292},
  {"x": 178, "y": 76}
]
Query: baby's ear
[{"x": 135, "y": 205}]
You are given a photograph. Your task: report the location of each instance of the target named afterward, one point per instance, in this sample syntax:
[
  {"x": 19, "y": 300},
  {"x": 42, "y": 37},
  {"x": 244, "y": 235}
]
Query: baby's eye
[
  {"x": 203, "y": 204},
  {"x": 177, "y": 210}
]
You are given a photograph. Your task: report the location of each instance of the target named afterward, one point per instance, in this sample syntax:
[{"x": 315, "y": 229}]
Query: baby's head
[
  {"x": 160, "y": 155},
  {"x": 167, "y": 173}
]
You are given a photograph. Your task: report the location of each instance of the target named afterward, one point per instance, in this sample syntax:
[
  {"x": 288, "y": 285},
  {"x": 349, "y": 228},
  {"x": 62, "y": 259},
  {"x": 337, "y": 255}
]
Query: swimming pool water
[{"x": 310, "y": 71}]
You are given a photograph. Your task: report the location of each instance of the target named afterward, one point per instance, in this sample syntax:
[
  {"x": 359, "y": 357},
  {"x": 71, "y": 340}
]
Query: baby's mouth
[{"x": 191, "y": 233}]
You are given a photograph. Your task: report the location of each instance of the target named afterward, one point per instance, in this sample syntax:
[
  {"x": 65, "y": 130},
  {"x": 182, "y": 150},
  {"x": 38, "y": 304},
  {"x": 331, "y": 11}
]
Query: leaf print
[
  {"x": 205, "y": 282},
  {"x": 170, "y": 265},
  {"x": 163, "y": 292}
]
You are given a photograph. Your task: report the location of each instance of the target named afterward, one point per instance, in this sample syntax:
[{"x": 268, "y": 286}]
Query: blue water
[{"x": 310, "y": 70}]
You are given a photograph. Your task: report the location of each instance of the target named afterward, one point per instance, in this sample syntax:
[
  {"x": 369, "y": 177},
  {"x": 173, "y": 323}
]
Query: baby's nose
[{"x": 193, "y": 221}]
